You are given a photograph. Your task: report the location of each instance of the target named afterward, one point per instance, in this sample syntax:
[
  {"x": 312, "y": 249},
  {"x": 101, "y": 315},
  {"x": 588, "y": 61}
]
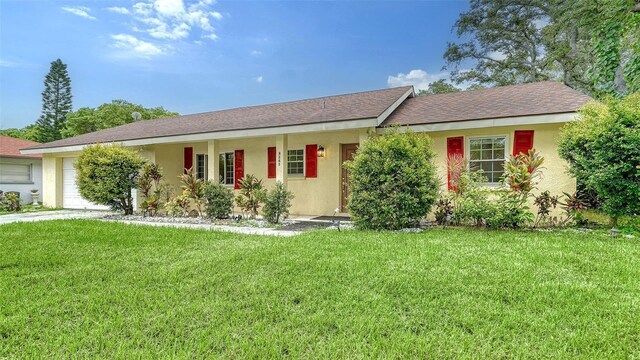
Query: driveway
[{"x": 51, "y": 215}]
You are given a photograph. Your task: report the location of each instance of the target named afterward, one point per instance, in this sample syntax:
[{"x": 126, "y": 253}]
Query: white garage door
[{"x": 71, "y": 198}]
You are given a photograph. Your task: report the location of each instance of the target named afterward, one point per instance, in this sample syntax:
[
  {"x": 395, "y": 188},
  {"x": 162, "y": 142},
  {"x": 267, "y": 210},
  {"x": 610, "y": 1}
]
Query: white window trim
[
  {"x": 30, "y": 181},
  {"x": 304, "y": 164},
  {"x": 225, "y": 168},
  {"x": 206, "y": 165},
  {"x": 467, "y": 151}
]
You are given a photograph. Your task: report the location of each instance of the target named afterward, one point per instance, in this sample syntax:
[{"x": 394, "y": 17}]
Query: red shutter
[
  {"x": 311, "y": 159},
  {"x": 238, "y": 167},
  {"x": 188, "y": 158},
  {"x": 522, "y": 141},
  {"x": 271, "y": 162},
  {"x": 455, "y": 146}
]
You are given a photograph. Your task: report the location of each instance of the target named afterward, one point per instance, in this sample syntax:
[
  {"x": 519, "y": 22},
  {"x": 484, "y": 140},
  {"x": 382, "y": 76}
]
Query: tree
[
  {"x": 56, "y": 103},
  {"x": 439, "y": 87},
  {"x": 503, "y": 40},
  {"x": 107, "y": 174},
  {"x": 29, "y": 132},
  {"x": 602, "y": 147},
  {"x": 393, "y": 182},
  {"x": 108, "y": 115},
  {"x": 592, "y": 46}
]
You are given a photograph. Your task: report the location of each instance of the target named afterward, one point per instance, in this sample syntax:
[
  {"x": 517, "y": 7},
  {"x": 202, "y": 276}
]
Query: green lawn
[{"x": 92, "y": 289}]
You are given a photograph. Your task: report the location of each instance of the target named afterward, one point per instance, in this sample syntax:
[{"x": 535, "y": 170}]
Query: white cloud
[
  {"x": 169, "y": 7},
  {"x": 180, "y": 31},
  {"x": 420, "y": 79},
  {"x": 171, "y": 20},
  {"x": 134, "y": 46},
  {"x": 256, "y": 52},
  {"x": 211, "y": 37},
  {"x": 5, "y": 63},
  {"x": 81, "y": 11},
  {"x": 118, "y": 10},
  {"x": 259, "y": 79}
]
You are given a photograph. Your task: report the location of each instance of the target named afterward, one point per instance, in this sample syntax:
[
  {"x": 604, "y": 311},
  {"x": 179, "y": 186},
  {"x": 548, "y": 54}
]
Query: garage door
[{"x": 71, "y": 198}]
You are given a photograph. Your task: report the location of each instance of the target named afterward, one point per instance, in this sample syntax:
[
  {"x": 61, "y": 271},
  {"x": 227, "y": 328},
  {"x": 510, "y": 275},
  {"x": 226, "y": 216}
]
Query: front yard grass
[{"x": 83, "y": 288}]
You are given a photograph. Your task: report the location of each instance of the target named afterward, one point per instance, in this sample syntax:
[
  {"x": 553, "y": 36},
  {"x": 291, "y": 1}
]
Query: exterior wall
[
  {"x": 26, "y": 187},
  {"x": 313, "y": 196},
  {"x": 321, "y": 195},
  {"x": 545, "y": 139}
]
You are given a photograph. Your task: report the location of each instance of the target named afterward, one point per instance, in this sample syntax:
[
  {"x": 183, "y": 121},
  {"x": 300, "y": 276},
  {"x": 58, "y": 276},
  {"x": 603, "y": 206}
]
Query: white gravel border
[{"x": 232, "y": 229}]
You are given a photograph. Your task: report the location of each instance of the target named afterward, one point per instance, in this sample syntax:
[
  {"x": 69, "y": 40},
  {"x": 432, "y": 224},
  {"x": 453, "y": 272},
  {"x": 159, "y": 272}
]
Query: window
[
  {"x": 295, "y": 162},
  {"x": 488, "y": 154},
  {"x": 15, "y": 173},
  {"x": 226, "y": 168},
  {"x": 202, "y": 166}
]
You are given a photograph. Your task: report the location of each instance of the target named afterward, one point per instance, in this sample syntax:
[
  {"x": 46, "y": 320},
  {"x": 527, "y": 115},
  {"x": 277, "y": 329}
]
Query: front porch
[{"x": 315, "y": 177}]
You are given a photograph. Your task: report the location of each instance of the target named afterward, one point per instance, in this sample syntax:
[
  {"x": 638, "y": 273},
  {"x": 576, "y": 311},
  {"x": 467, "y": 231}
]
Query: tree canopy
[
  {"x": 439, "y": 87},
  {"x": 108, "y": 115},
  {"x": 593, "y": 46}
]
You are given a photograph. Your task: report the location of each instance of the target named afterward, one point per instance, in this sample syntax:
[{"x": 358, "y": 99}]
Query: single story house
[
  {"x": 19, "y": 172},
  {"x": 304, "y": 143}
]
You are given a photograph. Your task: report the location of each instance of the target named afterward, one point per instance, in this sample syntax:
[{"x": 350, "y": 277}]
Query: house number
[{"x": 279, "y": 158}]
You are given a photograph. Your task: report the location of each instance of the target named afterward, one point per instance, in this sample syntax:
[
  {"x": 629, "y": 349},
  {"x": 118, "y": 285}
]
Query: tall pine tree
[{"x": 56, "y": 103}]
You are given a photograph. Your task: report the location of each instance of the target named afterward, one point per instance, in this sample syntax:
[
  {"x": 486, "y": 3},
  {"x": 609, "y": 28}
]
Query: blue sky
[{"x": 202, "y": 55}]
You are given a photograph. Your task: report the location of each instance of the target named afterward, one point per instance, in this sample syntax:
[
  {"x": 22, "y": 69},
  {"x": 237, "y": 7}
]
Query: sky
[{"x": 206, "y": 55}]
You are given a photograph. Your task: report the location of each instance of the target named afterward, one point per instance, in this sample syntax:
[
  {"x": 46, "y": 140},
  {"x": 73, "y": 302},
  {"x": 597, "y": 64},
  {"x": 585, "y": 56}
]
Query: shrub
[
  {"x": 107, "y": 174},
  {"x": 178, "y": 206},
  {"x": 602, "y": 147},
  {"x": 521, "y": 175},
  {"x": 10, "y": 202},
  {"x": 277, "y": 203},
  {"x": 150, "y": 189},
  {"x": 393, "y": 182},
  {"x": 470, "y": 199},
  {"x": 545, "y": 202},
  {"x": 444, "y": 210},
  {"x": 193, "y": 189},
  {"x": 510, "y": 211},
  {"x": 218, "y": 200},
  {"x": 251, "y": 195},
  {"x": 522, "y": 171}
]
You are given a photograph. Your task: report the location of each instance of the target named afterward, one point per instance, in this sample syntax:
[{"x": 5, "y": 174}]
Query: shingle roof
[
  {"x": 354, "y": 106},
  {"x": 546, "y": 97},
  {"x": 10, "y": 147}
]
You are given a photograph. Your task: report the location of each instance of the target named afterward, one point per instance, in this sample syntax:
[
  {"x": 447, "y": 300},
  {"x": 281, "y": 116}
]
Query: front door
[{"x": 348, "y": 151}]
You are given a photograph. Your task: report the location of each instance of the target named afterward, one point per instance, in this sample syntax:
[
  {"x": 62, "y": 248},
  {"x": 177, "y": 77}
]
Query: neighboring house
[
  {"x": 304, "y": 143},
  {"x": 19, "y": 172}
]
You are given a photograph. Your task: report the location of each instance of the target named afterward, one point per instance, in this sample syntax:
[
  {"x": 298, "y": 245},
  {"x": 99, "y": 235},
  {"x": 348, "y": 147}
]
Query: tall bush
[
  {"x": 219, "y": 200},
  {"x": 107, "y": 174},
  {"x": 277, "y": 203},
  {"x": 602, "y": 147},
  {"x": 393, "y": 181}
]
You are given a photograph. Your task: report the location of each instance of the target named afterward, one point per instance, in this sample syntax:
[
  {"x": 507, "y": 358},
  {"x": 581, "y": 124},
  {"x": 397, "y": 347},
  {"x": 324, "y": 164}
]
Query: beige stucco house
[{"x": 304, "y": 143}]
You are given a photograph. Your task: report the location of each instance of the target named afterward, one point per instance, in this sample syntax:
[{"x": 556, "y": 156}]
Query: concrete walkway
[{"x": 51, "y": 215}]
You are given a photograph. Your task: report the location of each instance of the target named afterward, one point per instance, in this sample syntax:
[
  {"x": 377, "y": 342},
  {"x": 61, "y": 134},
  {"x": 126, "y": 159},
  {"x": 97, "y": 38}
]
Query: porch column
[
  {"x": 213, "y": 163},
  {"x": 281, "y": 158},
  {"x": 51, "y": 181}
]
